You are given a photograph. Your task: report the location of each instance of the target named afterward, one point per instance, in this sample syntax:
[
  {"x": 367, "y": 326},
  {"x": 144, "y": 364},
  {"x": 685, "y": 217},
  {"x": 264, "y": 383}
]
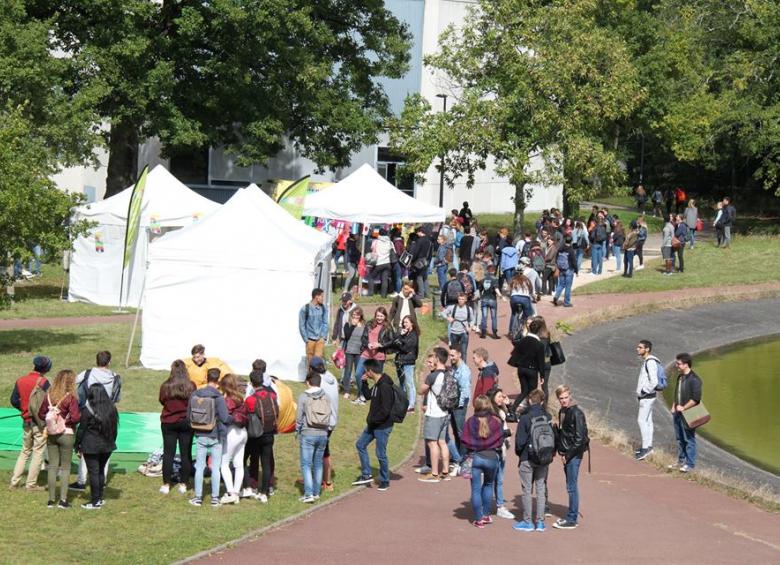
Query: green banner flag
[
  {"x": 134, "y": 216},
  {"x": 294, "y": 196}
]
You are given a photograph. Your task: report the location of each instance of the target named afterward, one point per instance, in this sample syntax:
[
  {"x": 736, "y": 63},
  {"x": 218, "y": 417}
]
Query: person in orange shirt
[{"x": 199, "y": 364}]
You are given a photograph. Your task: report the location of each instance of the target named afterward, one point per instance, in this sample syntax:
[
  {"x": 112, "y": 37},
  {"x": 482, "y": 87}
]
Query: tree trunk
[
  {"x": 122, "y": 158},
  {"x": 519, "y": 218},
  {"x": 570, "y": 207}
]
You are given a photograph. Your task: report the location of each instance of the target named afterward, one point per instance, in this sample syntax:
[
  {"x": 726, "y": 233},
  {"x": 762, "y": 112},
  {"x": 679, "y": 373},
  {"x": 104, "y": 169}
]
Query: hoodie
[
  {"x": 331, "y": 387},
  {"x": 106, "y": 377},
  {"x": 487, "y": 378},
  {"x": 224, "y": 418},
  {"x": 382, "y": 247},
  {"x": 301, "y": 426}
]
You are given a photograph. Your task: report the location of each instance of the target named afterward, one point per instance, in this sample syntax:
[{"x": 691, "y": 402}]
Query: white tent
[
  {"x": 235, "y": 283},
  {"x": 366, "y": 197},
  {"x": 96, "y": 264}
]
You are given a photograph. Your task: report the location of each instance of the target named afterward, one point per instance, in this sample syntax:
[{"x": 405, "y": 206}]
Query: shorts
[
  {"x": 435, "y": 429},
  {"x": 666, "y": 253}
]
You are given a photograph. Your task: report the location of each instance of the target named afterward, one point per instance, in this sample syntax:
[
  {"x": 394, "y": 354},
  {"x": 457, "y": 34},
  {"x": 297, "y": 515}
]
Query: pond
[{"x": 742, "y": 392}]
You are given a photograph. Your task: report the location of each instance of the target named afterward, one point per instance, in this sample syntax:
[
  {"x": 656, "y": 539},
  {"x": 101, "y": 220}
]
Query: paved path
[{"x": 630, "y": 511}]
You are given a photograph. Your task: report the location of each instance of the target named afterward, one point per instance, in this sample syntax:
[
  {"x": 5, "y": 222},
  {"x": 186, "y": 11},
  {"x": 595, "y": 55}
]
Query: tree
[
  {"x": 246, "y": 74},
  {"x": 527, "y": 76}
]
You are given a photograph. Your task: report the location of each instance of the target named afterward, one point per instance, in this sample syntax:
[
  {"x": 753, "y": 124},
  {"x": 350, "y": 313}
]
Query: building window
[{"x": 388, "y": 165}]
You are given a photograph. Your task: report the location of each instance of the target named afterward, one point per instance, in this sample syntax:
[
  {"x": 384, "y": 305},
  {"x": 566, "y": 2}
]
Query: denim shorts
[{"x": 435, "y": 428}]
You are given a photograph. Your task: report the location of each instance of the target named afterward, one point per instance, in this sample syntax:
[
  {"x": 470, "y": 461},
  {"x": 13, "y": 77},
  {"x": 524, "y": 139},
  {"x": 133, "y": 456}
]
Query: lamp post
[
  {"x": 642, "y": 159},
  {"x": 441, "y": 158}
]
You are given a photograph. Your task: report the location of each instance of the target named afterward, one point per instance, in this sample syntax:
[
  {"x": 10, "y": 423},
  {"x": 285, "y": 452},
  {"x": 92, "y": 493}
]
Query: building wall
[{"x": 90, "y": 181}]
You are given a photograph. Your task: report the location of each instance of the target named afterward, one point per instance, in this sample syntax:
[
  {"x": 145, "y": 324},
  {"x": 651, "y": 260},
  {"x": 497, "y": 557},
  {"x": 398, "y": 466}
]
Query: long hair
[
  {"x": 178, "y": 385},
  {"x": 520, "y": 281},
  {"x": 229, "y": 387},
  {"x": 483, "y": 404},
  {"x": 380, "y": 310},
  {"x": 359, "y": 311},
  {"x": 538, "y": 326},
  {"x": 415, "y": 327},
  {"x": 103, "y": 410},
  {"x": 63, "y": 385}
]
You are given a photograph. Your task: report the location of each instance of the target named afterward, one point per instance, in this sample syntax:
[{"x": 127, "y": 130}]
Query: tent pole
[{"x": 138, "y": 310}]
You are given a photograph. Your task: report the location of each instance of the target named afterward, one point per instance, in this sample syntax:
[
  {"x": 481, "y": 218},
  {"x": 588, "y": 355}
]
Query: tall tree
[
  {"x": 527, "y": 76},
  {"x": 246, "y": 74}
]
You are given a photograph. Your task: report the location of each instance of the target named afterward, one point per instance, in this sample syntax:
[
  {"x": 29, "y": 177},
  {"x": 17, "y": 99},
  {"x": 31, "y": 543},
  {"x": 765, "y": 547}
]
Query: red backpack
[{"x": 263, "y": 419}]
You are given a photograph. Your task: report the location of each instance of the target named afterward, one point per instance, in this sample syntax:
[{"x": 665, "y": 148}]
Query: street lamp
[{"x": 441, "y": 158}]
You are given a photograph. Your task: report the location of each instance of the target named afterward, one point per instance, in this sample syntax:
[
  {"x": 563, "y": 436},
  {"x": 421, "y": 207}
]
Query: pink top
[{"x": 373, "y": 337}]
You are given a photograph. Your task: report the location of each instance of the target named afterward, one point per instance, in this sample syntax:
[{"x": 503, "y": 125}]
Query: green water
[{"x": 741, "y": 390}]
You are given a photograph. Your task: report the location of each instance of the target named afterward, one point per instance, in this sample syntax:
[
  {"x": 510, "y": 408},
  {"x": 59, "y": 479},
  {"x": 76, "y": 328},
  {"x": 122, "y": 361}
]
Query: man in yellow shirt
[{"x": 198, "y": 366}]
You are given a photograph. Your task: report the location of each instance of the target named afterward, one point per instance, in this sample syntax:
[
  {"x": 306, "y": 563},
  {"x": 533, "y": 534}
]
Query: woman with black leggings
[
  {"x": 260, "y": 450},
  {"x": 174, "y": 396},
  {"x": 528, "y": 356}
]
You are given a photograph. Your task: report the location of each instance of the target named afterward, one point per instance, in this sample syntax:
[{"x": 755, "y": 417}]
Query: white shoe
[
  {"x": 261, "y": 498},
  {"x": 165, "y": 489},
  {"x": 229, "y": 498},
  {"x": 502, "y": 512},
  {"x": 182, "y": 488},
  {"x": 247, "y": 493},
  {"x": 454, "y": 470}
]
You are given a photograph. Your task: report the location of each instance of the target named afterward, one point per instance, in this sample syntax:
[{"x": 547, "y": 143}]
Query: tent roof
[
  {"x": 165, "y": 197},
  {"x": 366, "y": 197},
  {"x": 249, "y": 231}
]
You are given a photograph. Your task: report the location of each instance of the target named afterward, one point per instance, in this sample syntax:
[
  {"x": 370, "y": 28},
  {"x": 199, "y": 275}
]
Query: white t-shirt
[{"x": 435, "y": 380}]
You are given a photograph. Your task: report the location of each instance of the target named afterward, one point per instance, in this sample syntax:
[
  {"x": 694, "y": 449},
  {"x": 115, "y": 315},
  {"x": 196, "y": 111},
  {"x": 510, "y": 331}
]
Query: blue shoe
[
  {"x": 523, "y": 526},
  {"x": 540, "y": 526}
]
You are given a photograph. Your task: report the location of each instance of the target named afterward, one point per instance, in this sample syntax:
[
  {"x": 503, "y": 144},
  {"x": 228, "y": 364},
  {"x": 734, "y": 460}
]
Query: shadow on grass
[{"x": 21, "y": 341}]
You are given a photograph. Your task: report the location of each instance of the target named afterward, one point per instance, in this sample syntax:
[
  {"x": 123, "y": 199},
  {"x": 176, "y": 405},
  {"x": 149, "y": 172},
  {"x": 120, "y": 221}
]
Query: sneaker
[
  {"x": 383, "y": 486},
  {"x": 77, "y": 486},
  {"x": 637, "y": 451},
  {"x": 523, "y": 526},
  {"x": 247, "y": 493},
  {"x": 454, "y": 469},
  {"x": 487, "y": 520},
  {"x": 306, "y": 499},
  {"x": 34, "y": 488},
  {"x": 64, "y": 504},
  {"x": 261, "y": 498},
  {"x": 362, "y": 480},
  {"x": 423, "y": 469},
  {"x": 568, "y": 305},
  {"x": 429, "y": 478},
  {"x": 271, "y": 491},
  {"x": 90, "y": 506},
  {"x": 675, "y": 466},
  {"x": 51, "y": 504},
  {"x": 182, "y": 488},
  {"x": 196, "y": 501},
  {"x": 101, "y": 503},
  {"x": 644, "y": 453},
  {"x": 215, "y": 503},
  {"x": 540, "y": 526},
  {"x": 502, "y": 512},
  {"x": 686, "y": 468},
  {"x": 446, "y": 476},
  {"x": 547, "y": 511},
  {"x": 564, "y": 524},
  {"x": 229, "y": 498},
  {"x": 165, "y": 489},
  {"x": 555, "y": 303},
  {"x": 479, "y": 524}
]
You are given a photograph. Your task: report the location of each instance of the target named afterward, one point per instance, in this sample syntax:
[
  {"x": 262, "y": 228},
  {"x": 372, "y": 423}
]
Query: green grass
[
  {"x": 138, "y": 525},
  {"x": 749, "y": 260},
  {"x": 40, "y": 298}
]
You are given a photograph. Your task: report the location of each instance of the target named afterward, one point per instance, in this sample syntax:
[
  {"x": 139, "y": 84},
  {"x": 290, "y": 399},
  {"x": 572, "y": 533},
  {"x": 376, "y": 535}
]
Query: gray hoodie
[
  {"x": 331, "y": 387},
  {"x": 104, "y": 376},
  {"x": 301, "y": 426}
]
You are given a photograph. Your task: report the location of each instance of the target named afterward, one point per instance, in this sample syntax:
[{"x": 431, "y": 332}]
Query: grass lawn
[
  {"x": 749, "y": 260},
  {"x": 40, "y": 298},
  {"x": 138, "y": 525}
]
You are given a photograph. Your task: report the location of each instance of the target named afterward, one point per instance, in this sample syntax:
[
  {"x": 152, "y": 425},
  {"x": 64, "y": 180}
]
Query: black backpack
[
  {"x": 599, "y": 234},
  {"x": 400, "y": 404},
  {"x": 454, "y": 288}
]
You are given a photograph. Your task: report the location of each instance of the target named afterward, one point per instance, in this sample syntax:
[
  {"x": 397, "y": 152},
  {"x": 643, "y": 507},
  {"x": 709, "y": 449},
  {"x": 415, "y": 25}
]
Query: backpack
[
  {"x": 537, "y": 260},
  {"x": 400, "y": 404},
  {"x": 542, "y": 444},
  {"x": 448, "y": 254},
  {"x": 454, "y": 288},
  {"x": 202, "y": 413},
  {"x": 468, "y": 286},
  {"x": 84, "y": 386},
  {"x": 663, "y": 382},
  {"x": 37, "y": 395},
  {"x": 449, "y": 395},
  {"x": 562, "y": 261},
  {"x": 263, "y": 419},
  {"x": 55, "y": 423},
  {"x": 318, "y": 412},
  {"x": 599, "y": 234}
]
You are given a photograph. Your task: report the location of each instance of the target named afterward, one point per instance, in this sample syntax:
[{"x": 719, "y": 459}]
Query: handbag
[
  {"x": 420, "y": 264},
  {"x": 675, "y": 242},
  {"x": 405, "y": 259},
  {"x": 339, "y": 358},
  {"x": 557, "y": 356},
  {"x": 699, "y": 225},
  {"x": 696, "y": 416}
]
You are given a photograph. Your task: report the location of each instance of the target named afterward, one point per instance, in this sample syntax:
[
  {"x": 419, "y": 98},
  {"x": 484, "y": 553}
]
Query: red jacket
[
  {"x": 20, "y": 397},
  {"x": 69, "y": 409}
]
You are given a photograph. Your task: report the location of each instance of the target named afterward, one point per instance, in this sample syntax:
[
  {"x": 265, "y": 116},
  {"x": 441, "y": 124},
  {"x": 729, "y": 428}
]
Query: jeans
[
  {"x": 692, "y": 236},
  {"x": 233, "y": 452},
  {"x": 60, "y": 453},
  {"x": 596, "y": 258},
  {"x": 499, "y": 490},
  {"x": 460, "y": 341},
  {"x": 406, "y": 381},
  {"x": 177, "y": 433},
  {"x": 645, "y": 420},
  {"x": 33, "y": 444},
  {"x": 483, "y": 476},
  {"x": 203, "y": 447},
  {"x": 686, "y": 441},
  {"x": 580, "y": 255},
  {"x": 678, "y": 254},
  {"x": 260, "y": 451},
  {"x": 382, "y": 436},
  {"x": 397, "y": 277},
  {"x": 457, "y": 420},
  {"x": 640, "y": 246},
  {"x": 383, "y": 273},
  {"x": 516, "y": 302},
  {"x": 572, "y": 470},
  {"x": 548, "y": 279},
  {"x": 312, "y": 450},
  {"x": 489, "y": 306},
  {"x": 96, "y": 463},
  {"x": 618, "y": 253},
  {"x": 441, "y": 275},
  {"x": 350, "y": 366},
  {"x": 508, "y": 274},
  {"x": 533, "y": 477},
  {"x": 726, "y": 235},
  {"x": 565, "y": 280},
  {"x": 628, "y": 263},
  {"x": 339, "y": 254}
]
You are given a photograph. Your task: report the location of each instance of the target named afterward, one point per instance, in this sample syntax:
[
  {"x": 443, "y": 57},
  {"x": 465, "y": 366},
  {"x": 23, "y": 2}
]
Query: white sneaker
[
  {"x": 165, "y": 489},
  {"x": 261, "y": 498},
  {"x": 502, "y": 512},
  {"x": 247, "y": 493},
  {"x": 229, "y": 498},
  {"x": 182, "y": 488},
  {"x": 454, "y": 469}
]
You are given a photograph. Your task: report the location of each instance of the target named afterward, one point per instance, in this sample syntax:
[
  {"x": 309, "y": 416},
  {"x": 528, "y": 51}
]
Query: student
[
  {"x": 533, "y": 474},
  {"x": 483, "y": 436},
  {"x": 234, "y": 442},
  {"x": 33, "y": 438},
  {"x": 198, "y": 365},
  {"x": 406, "y": 345},
  {"x": 353, "y": 347},
  {"x": 487, "y": 372},
  {"x": 500, "y": 403},
  {"x": 488, "y": 290},
  {"x": 520, "y": 290},
  {"x": 62, "y": 396},
  {"x": 462, "y": 373},
  {"x": 404, "y": 305},
  {"x": 313, "y": 324},
  {"x": 330, "y": 385},
  {"x": 459, "y": 316},
  {"x": 436, "y": 419},
  {"x": 572, "y": 443},
  {"x": 313, "y": 436},
  {"x": 687, "y": 394},
  {"x": 528, "y": 356},
  {"x": 96, "y": 440},
  {"x": 208, "y": 441},
  {"x": 260, "y": 450},
  {"x": 646, "y": 395},
  {"x": 377, "y": 337},
  {"x": 379, "y": 426},
  {"x": 174, "y": 396}
]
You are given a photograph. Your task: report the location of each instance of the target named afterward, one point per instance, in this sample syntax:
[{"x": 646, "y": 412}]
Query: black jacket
[
  {"x": 406, "y": 347},
  {"x": 395, "y": 309},
  {"x": 353, "y": 251},
  {"x": 380, "y": 411},
  {"x": 573, "y": 438},
  {"x": 528, "y": 353},
  {"x": 688, "y": 387},
  {"x": 91, "y": 439},
  {"x": 421, "y": 249},
  {"x": 386, "y": 335}
]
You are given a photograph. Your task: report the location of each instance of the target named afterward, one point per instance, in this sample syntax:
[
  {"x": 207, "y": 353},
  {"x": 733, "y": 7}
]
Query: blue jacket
[
  {"x": 313, "y": 326},
  {"x": 463, "y": 376},
  {"x": 509, "y": 258}
]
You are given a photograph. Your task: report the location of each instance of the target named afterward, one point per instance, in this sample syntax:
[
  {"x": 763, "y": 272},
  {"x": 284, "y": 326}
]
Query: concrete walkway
[{"x": 631, "y": 512}]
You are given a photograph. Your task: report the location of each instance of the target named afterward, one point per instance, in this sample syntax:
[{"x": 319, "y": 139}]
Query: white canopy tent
[
  {"x": 366, "y": 197},
  {"x": 96, "y": 264},
  {"x": 234, "y": 282}
]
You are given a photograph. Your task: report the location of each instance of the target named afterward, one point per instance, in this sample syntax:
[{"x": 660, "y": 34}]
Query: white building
[{"x": 215, "y": 175}]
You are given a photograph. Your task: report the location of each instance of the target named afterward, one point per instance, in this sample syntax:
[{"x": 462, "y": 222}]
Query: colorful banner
[
  {"x": 134, "y": 216},
  {"x": 291, "y": 195}
]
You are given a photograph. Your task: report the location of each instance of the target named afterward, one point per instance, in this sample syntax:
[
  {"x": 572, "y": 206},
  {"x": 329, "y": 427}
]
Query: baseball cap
[{"x": 317, "y": 364}]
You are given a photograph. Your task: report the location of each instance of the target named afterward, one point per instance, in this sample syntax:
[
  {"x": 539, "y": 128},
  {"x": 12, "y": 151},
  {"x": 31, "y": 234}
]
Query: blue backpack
[
  {"x": 562, "y": 261},
  {"x": 662, "y": 380}
]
